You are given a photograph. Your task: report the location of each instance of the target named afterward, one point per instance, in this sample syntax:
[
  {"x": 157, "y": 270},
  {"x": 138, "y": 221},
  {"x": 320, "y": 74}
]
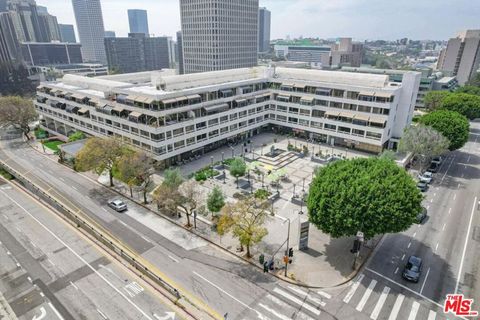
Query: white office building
[
  {"x": 174, "y": 117},
  {"x": 219, "y": 35},
  {"x": 88, "y": 15}
]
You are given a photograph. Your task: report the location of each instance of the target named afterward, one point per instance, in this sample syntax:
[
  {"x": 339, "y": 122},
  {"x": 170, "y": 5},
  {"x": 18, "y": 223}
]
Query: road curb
[{"x": 250, "y": 262}]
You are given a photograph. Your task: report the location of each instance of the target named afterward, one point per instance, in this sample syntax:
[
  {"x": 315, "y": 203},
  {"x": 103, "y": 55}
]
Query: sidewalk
[{"x": 326, "y": 263}]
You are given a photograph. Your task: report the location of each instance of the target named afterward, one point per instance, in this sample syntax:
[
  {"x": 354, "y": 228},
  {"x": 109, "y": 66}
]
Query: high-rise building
[
  {"x": 138, "y": 21},
  {"x": 264, "y": 16},
  {"x": 67, "y": 34},
  {"x": 110, "y": 34},
  {"x": 48, "y": 25},
  {"x": 138, "y": 53},
  {"x": 180, "y": 53},
  {"x": 3, "y": 5},
  {"x": 461, "y": 57},
  {"x": 9, "y": 45},
  {"x": 25, "y": 20},
  {"x": 346, "y": 52},
  {"x": 219, "y": 34},
  {"x": 88, "y": 15},
  {"x": 51, "y": 53}
]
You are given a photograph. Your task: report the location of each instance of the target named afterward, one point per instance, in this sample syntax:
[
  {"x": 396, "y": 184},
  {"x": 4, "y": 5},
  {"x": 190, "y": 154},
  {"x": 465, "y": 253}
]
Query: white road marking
[
  {"x": 435, "y": 194},
  {"x": 414, "y": 310},
  {"x": 353, "y": 289},
  {"x": 102, "y": 314},
  {"x": 396, "y": 307},
  {"x": 261, "y": 316},
  {"x": 414, "y": 235},
  {"x": 403, "y": 257},
  {"x": 79, "y": 257},
  {"x": 432, "y": 315},
  {"x": 450, "y": 211},
  {"x": 468, "y": 159},
  {"x": 366, "y": 295},
  {"x": 104, "y": 209},
  {"x": 465, "y": 246},
  {"x": 62, "y": 179},
  {"x": 380, "y": 303},
  {"x": 309, "y": 296},
  {"x": 463, "y": 174},
  {"x": 454, "y": 196},
  {"x": 175, "y": 260},
  {"x": 18, "y": 229},
  {"x": 324, "y": 294},
  {"x": 146, "y": 239},
  {"x": 121, "y": 222},
  {"x": 444, "y": 225},
  {"x": 275, "y": 313},
  {"x": 73, "y": 187},
  {"x": 18, "y": 265},
  {"x": 425, "y": 280},
  {"x": 431, "y": 200},
  {"x": 42, "y": 294},
  {"x": 29, "y": 279},
  {"x": 73, "y": 285},
  {"x": 9, "y": 253},
  {"x": 51, "y": 262},
  {"x": 55, "y": 311},
  {"x": 458, "y": 186},
  {"x": 428, "y": 206},
  {"x": 297, "y": 301},
  {"x": 436, "y": 247},
  {"x": 409, "y": 244},
  {"x": 396, "y": 270}
]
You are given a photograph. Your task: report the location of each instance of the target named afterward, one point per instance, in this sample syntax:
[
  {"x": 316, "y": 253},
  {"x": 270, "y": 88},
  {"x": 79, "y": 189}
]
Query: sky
[{"x": 359, "y": 19}]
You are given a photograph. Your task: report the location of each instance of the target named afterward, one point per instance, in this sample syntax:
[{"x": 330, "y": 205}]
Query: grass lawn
[{"x": 53, "y": 145}]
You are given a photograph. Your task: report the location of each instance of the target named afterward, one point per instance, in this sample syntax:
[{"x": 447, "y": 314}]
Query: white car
[
  {"x": 117, "y": 205},
  {"x": 425, "y": 177},
  {"x": 437, "y": 160}
]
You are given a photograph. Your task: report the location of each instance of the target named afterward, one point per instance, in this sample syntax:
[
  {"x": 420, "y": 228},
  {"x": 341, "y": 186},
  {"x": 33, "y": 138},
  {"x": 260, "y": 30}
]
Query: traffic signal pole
[{"x": 286, "y": 258}]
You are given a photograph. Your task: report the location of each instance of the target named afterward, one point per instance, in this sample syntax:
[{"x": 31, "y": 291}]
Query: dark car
[
  {"x": 423, "y": 186},
  {"x": 412, "y": 269},
  {"x": 433, "y": 167},
  {"x": 117, "y": 205},
  {"x": 422, "y": 215}
]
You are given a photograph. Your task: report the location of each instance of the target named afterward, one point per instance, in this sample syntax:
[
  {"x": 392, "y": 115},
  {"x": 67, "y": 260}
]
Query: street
[
  {"x": 446, "y": 241},
  {"x": 50, "y": 271}
]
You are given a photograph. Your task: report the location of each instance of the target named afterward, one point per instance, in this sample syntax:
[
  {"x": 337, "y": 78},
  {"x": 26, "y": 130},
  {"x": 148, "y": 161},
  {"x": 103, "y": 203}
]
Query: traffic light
[
  {"x": 290, "y": 252},
  {"x": 356, "y": 246}
]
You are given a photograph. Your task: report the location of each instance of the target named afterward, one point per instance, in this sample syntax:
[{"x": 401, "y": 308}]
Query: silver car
[{"x": 117, "y": 205}]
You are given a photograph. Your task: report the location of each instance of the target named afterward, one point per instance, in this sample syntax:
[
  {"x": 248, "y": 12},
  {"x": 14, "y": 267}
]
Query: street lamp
[
  {"x": 294, "y": 190},
  {"x": 303, "y": 187},
  {"x": 301, "y": 207},
  {"x": 211, "y": 160},
  {"x": 233, "y": 152},
  {"x": 223, "y": 156},
  {"x": 263, "y": 175},
  {"x": 224, "y": 176}
]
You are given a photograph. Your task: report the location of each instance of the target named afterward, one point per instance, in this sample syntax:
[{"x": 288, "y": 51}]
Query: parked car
[
  {"x": 427, "y": 178},
  {"x": 422, "y": 215},
  {"x": 423, "y": 186},
  {"x": 117, "y": 205},
  {"x": 412, "y": 269},
  {"x": 437, "y": 160},
  {"x": 433, "y": 167}
]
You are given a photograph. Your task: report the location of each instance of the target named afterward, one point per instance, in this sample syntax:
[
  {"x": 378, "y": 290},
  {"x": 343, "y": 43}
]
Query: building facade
[
  {"x": 264, "y": 22},
  {"x": 318, "y": 56},
  {"x": 48, "y": 25},
  {"x": 138, "y": 21},
  {"x": 67, "y": 34},
  {"x": 461, "y": 57},
  {"x": 88, "y": 15},
  {"x": 175, "y": 117},
  {"x": 51, "y": 53},
  {"x": 346, "y": 52},
  {"x": 181, "y": 69},
  {"x": 219, "y": 34},
  {"x": 9, "y": 45},
  {"x": 109, "y": 34},
  {"x": 25, "y": 20},
  {"x": 138, "y": 53}
]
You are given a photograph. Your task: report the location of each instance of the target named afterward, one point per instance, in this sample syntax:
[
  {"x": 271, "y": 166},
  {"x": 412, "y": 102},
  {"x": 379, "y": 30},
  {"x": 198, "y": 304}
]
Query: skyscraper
[
  {"x": 88, "y": 15},
  {"x": 263, "y": 30},
  {"x": 110, "y": 34},
  {"x": 180, "y": 53},
  {"x": 138, "y": 21},
  {"x": 461, "y": 57},
  {"x": 9, "y": 45},
  {"x": 67, "y": 34},
  {"x": 48, "y": 25},
  {"x": 25, "y": 20},
  {"x": 219, "y": 34},
  {"x": 3, "y": 5}
]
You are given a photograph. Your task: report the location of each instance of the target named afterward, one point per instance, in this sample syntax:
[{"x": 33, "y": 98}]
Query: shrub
[{"x": 261, "y": 194}]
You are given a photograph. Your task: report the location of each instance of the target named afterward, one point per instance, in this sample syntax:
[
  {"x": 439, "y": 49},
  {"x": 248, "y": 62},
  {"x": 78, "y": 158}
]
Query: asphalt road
[
  {"x": 49, "y": 271},
  {"x": 447, "y": 241}
]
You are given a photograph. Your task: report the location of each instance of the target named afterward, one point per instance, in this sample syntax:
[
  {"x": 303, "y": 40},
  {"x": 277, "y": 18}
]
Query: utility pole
[{"x": 286, "y": 257}]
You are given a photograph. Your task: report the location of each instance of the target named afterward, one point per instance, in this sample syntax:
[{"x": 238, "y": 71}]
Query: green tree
[
  {"x": 17, "y": 112},
  {"x": 215, "y": 200},
  {"x": 433, "y": 99},
  {"x": 167, "y": 198},
  {"x": 14, "y": 80},
  {"x": 388, "y": 154},
  {"x": 77, "y": 135},
  {"x": 372, "y": 195},
  {"x": 475, "y": 90},
  {"x": 172, "y": 178},
  {"x": 136, "y": 170},
  {"x": 190, "y": 198},
  {"x": 423, "y": 142},
  {"x": 452, "y": 125},
  {"x": 246, "y": 219},
  {"x": 238, "y": 168},
  {"x": 100, "y": 154},
  {"x": 463, "y": 103}
]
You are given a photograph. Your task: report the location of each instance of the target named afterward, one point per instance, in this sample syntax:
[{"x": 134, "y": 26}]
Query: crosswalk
[
  {"x": 378, "y": 301},
  {"x": 287, "y": 302}
]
